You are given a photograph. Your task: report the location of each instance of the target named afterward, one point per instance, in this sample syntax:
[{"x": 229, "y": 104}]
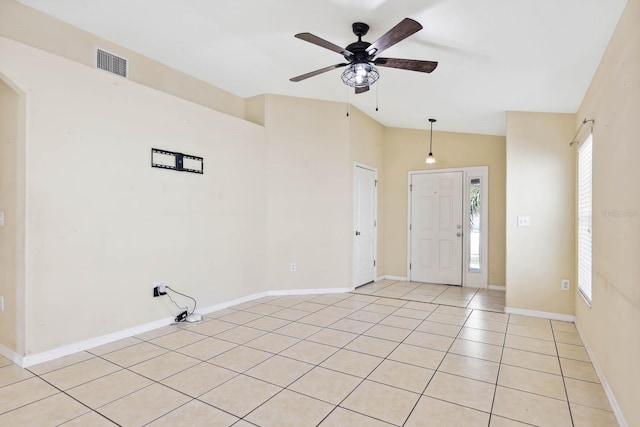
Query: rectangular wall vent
[{"x": 111, "y": 63}]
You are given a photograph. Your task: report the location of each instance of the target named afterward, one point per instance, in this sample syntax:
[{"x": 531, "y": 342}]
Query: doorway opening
[{"x": 448, "y": 211}]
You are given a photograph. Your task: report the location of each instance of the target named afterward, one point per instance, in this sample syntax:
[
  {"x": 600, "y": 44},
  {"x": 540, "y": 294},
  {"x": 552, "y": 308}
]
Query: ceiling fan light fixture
[
  {"x": 360, "y": 74},
  {"x": 430, "y": 159}
]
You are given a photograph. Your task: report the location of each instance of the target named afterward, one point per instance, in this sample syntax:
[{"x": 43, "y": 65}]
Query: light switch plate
[{"x": 1, "y": 218}]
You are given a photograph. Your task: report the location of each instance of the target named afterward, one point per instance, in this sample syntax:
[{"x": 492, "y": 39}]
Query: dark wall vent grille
[{"x": 111, "y": 63}]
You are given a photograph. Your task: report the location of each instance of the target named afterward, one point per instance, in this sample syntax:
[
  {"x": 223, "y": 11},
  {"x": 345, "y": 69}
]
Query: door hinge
[
  {"x": 410, "y": 227},
  {"x": 375, "y": 183},
  {"x": 410, "y": 187},
  {"x": 375, "y": 223},
  {"x": 374, "y": 262},
  {"x": 409, "y": 266}
]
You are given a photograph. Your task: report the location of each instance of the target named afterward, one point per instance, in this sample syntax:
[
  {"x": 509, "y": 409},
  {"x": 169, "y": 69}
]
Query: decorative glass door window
[{"x": 475, "y": 195}]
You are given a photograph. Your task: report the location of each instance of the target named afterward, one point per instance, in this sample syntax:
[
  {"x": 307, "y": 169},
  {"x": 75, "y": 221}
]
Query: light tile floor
[
  {"x": 351, "y": 359},
  {"x": 457, "y": 296}
]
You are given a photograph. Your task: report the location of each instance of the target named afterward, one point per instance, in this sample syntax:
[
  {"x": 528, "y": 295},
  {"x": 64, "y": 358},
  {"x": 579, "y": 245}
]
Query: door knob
[
  {"x": 458, "y": 234},
  {"x": 357, "y": 233}
]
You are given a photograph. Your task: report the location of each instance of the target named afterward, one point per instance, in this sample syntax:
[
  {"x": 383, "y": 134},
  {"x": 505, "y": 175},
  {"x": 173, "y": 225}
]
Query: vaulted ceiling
[{"x": 494, "y": 55}]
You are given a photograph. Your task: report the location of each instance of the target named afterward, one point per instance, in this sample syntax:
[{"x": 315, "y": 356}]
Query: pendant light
[{"x": 430, "y": 159}]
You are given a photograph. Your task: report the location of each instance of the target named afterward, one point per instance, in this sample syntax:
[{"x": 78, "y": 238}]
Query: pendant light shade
[{"x": 430, "y": 159}]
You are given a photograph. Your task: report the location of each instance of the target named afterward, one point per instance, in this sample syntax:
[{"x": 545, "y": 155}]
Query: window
[
  {"x": 584, "y": 217},
  {"x": 474, "y": 224}
]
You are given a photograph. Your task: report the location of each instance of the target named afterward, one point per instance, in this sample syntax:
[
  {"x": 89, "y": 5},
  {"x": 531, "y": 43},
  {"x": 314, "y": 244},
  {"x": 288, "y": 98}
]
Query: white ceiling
[{"x": 494, "y": 55}]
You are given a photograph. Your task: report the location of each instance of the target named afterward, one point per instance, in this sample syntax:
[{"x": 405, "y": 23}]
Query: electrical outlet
[
  {"x": 565, "y": 285},
  {"x": 159, "y": 289},
  {"x": 293, "y": 267},
  {"x": 524, "y": 221}
]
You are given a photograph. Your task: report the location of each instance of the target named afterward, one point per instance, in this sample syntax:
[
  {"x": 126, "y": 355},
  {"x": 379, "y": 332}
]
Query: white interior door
[
  {"x": 436, "y": 228},
  {"x": 364, "y": 226}
]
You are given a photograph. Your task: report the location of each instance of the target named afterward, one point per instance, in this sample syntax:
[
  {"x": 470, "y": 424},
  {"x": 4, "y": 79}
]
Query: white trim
[
  {"x": 541, "y": 314},
  {"x": 469, "y": 279},
  {"x": 227, "y": 304},
  {"x": 66, "y": 350},
  {"x": 399, "y": 278},
  {"x": 375, "y": 220},
  {"x": 476, "y": 279},
  {"x": 603, "y": 381},
  {"x": 45, "y": 356},
  {"x": 497, "y": 288},
  {"x": 309, "y": 291},
  {"x": 11, "y": 355}
]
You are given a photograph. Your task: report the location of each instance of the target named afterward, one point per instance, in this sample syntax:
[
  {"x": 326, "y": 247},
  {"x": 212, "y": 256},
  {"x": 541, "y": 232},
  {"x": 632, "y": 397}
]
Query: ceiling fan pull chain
[{"x": 377, "y": 90}]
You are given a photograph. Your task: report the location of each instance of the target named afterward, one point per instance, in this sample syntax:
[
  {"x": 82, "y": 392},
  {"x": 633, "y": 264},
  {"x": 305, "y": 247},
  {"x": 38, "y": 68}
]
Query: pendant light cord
[{"x": 431, "y": 138}]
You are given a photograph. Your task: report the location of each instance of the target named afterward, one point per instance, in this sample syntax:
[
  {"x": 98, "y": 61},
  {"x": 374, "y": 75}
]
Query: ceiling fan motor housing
[{"x": 360, "y": 29}]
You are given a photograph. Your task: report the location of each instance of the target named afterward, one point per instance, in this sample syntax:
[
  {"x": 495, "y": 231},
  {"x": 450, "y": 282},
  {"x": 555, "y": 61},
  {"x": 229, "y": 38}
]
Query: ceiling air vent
[{"x": 111, "y": 63}]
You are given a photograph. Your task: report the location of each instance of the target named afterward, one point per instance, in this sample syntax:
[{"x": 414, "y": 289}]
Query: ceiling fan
[{"x": 362, "y": 56}]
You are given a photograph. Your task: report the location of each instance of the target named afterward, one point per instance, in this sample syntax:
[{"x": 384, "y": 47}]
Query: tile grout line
[
  {"x": 315, "y": 366},
  {"x": 435, "y": 371},
  {"x": 495, "y": 391},
  {"x": 564, "y": 383}
]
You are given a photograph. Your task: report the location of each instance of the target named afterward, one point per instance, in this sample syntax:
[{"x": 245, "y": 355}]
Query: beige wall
[
  {"x": 103, "y": 226},
  {"x": 541, "y": 185},
  {"x": 32, "y": 27},
  {"x": 405, "y": 150},
  {"x": 611, "y": 324},
  {"x": 8, "y": 205},
  {"x": 309, "y": 200}
]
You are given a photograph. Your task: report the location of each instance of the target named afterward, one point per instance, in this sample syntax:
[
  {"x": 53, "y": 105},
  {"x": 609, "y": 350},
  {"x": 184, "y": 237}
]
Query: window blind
[{"x": 584, "y": 217}]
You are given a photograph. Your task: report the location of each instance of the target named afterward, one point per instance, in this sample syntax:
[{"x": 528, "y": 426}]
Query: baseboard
[
  {"x": 46, "y": 356},
  {"x": 66, "y": 350},
  {"x": 309, "y": 291},
  {"x": 607, "y": 390},
  {"x": 400, "y": 278},
  {"x": 11, "y": 355},
  {"x": 497, "y": 288},
  {"x": 227, "y": 304},
  {"x": 541, "y": 314}
]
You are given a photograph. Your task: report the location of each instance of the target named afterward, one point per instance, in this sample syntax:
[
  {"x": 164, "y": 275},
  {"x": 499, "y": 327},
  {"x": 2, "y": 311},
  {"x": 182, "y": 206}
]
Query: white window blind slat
[{"x": 585, "y": 210}]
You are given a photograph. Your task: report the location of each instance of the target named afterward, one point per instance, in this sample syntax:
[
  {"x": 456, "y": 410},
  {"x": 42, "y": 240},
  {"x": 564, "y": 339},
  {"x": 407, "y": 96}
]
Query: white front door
[
  {"x": 436, "y": 228},
  {"x": 364, "y": 187}
]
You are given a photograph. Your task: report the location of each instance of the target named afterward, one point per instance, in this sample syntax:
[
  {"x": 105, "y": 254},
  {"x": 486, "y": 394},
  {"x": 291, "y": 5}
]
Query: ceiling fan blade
[
  {"x": 308, "y": 37},
  {"x": 407, "y": 64},
  {"x": 362, "y": 89},
  {"x": 316, "y": 72},
  {"x": 404, "y": 29}
]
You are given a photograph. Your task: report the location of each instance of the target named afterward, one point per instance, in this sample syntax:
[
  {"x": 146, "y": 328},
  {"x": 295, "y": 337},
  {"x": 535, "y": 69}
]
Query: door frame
[
  {"x": 472, "y": 279},
  {"x": 375, "y": 221}
]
